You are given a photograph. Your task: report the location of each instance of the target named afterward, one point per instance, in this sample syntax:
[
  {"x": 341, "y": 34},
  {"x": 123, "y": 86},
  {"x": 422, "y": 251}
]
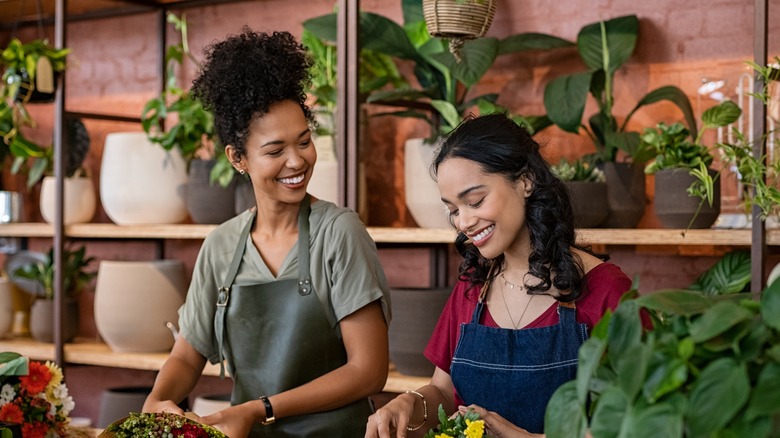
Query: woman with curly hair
[
  {"x": 290, "y": 295},
  {"x": 527, "y": 294}
]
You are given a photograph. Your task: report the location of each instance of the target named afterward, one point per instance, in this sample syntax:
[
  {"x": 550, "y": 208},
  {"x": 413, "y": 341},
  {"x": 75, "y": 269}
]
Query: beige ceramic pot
[
  {"x": 422, "y": 193},
  {"x": 134, "y": 300},
  {"x": 79, "y": 198}
]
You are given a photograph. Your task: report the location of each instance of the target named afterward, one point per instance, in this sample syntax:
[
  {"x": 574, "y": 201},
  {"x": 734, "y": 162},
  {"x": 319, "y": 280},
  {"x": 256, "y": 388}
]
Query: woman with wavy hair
[
  {"x": 290, "y": 295},
  {"x": 527, "y": 295}
]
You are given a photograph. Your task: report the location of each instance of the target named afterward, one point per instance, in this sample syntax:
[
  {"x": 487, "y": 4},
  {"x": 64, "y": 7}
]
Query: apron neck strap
[{"x": 304, "y": 276}]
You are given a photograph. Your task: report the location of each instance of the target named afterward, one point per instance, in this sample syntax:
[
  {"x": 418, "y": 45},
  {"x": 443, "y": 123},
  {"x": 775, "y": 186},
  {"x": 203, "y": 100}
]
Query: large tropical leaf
[
  {"x": 571, "y": 425},
  {"x": 564, "y": 100},
  {"x": 673, "y": 95},
  {"x": 676, "y": 301},
  {"x": 531, "y": 41},
  {"x": 412, "y": 11},
  {"x": 770, "y": 305},
  {"x": 723, "y": 379},
  {"x": 477, "y": 56},
  {"x": 721, "y": 115},
  {"x": 607, "y": 45},
  {"x": 730, "y": 274}
]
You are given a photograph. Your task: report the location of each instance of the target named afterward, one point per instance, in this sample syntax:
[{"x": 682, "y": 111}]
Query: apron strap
[
  {"x": 304, "y": 276},
  {"x": 223, "y": 293}
]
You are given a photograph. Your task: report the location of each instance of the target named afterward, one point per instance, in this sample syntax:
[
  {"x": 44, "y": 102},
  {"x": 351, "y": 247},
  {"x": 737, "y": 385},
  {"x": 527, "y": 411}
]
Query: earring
[{"x": 241, "y": 171}]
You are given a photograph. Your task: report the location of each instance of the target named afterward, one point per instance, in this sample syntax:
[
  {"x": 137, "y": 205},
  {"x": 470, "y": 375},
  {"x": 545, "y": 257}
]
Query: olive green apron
[{"x": 282, "y": 340}]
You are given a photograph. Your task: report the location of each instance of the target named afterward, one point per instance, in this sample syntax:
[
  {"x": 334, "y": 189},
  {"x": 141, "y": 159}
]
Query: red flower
[
  {"x": 10, "y": 413},
  {"x": 190, "y": 431},
  {"x": 37, "y": 378},
  {"x": 34, "y": 430}
]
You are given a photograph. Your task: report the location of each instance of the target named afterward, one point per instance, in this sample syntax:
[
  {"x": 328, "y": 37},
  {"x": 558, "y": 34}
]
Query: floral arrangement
[
  {"x": 34, "y": 395},
  {"x": 160, "y": 424},
  {"x": 466, "y": 425}
]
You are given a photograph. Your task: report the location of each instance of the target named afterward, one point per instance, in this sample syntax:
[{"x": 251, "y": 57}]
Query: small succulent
[{"x": 578, "y": 170}]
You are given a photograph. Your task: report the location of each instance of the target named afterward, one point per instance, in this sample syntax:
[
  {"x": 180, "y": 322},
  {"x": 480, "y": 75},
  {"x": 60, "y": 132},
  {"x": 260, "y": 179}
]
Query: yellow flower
[
  {"x": 474, "y": 429},
  {"x": 442, "y": 435},
  {"x": 54, "y": 383}
]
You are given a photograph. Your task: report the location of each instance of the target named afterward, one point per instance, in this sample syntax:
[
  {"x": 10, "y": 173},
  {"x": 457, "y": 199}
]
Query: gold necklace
[
  {"x": 510, "y": 284},
  {"x": 503, "y": 297}
]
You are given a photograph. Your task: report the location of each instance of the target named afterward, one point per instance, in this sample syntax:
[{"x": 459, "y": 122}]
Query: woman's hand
[
  {"x": 151, "y": 405},
  {"x": 235, "y": 421},
  {"x": 496, "y": 425},
  {"x": 392, "y": 417}
]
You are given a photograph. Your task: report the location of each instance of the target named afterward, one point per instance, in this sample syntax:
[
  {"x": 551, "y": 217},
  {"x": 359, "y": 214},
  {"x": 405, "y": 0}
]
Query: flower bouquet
[
  {"x": 466, "y": 425},
  {"x": 160, "y": 424},
  {"x": 34, "y": 395}
]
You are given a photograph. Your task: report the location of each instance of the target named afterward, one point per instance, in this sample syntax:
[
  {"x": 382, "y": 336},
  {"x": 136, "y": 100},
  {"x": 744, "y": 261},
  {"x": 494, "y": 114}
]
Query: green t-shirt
[{"x": 345, "y": 271}]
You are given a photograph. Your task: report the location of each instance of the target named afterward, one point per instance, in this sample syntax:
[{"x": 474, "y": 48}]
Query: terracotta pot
[
  {"x": 134, "y": 300},
  {"x": 79, "y": 197},
  {"x": 675, "y": 208},
  {"x": 140, "y": 182},
  {"x": 422, "y": 194},
  {"x": 42, "y": 320},
  {"x": 589, "y": 203},
  {"x": 415, "y": 313}
]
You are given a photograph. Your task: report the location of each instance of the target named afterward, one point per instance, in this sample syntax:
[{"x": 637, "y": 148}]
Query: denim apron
[
  {"x": 275, "y": 337},
  {"x": 515, "y": 372}
]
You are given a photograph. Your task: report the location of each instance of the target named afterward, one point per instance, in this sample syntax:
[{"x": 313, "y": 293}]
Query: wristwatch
[{"x": 269, "y": 411}]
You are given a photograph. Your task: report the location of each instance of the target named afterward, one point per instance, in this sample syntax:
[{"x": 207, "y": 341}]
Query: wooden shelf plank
[
  {"x": 84, "y": 352},
  {"x": 594, "y": 236}
]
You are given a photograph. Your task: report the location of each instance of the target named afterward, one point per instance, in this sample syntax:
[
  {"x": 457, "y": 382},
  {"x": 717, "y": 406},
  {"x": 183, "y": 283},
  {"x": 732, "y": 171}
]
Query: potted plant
[
  {"x": 709, "y": 366},
  {"x": 443, "y": 96},
  {"x": 74, "y": 278},
  {"x": 687, "y": 189},
  {"x": 32, "y": 69},
  {"x": 604, "y": 47},
  {"x": 587, "y": 188},
  {"x": 194, "y": 136}
]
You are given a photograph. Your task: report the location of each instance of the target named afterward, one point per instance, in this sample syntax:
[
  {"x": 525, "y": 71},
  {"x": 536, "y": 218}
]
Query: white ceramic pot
[
  {"x": 79, "y": 198},
  {"x": 324, "y": 182},
  {"x": 422, "y": 193},
  {"x": 134, "y": 300},
  {"x": 140, "y": 182}
]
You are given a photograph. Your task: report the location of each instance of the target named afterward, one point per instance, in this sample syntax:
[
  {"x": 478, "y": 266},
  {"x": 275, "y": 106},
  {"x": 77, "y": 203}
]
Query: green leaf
[
  {"x": 770, "y": 305},
  {"x": 531, "y": 41},
  {"x": 448, "y": 112},
  {"x": 723, "y": 379},
  {"x": 730, "y": 274},
  {"x": 383, "y": 35},
  {"x": 621, "y": 34},
  {"x": 765, "y": 399},
  {"x": 589, "y": 358},
  {"x": 720, "y": 115},
  {"x": 671, "y": 94},
  {"x": 612, "y": 409},
  {"x": 571, "y": 425},
  {"x": 718, "y": 319},
  {"x": 661, "y": 420},
  {"x": 676, "y": 301},
  {"x": 564, "y": 100},
  {"x": 12, "y": 364},
  {"x": 668, "y": 376},
  {"x": 477, "y": 57}
]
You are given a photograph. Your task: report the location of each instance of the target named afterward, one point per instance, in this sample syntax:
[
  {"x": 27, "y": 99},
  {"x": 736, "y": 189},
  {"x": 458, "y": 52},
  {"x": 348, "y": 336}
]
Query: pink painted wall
[{"x": 114, "y": 70}]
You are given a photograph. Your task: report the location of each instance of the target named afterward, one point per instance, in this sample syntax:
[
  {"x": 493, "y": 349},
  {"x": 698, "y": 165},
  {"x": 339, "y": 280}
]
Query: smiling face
[
  {"x": 487, "y": 208},
  {"x": 280, "y": 154}
]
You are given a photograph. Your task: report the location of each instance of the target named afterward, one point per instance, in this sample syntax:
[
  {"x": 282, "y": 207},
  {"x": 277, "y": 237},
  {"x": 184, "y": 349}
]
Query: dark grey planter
[
  {"x": 42, "y": 320},
  {"x": 589, "y": 203},
  {"x": 207, "y": 203},
  {"x": 675, "y": 208},
  {"x": 625, "y": 194},
  {"x": 415, "y": 314}
]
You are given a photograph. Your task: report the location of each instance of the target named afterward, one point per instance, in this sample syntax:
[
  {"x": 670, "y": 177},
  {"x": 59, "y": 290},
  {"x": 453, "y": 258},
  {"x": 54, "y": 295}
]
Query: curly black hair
[
  {"x": 243, "y": 75},
  {"x": 500, "y": 146}
]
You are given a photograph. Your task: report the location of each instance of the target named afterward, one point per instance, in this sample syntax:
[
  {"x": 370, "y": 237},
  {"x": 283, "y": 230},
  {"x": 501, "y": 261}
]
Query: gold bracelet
[{"x": 425, "y": 411}]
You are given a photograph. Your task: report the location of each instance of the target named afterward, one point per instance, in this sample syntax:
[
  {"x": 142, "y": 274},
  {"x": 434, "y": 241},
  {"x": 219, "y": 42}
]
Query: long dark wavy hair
[
  {"x": 499, "y": 146},
  {"x": 243, "y": 75}
]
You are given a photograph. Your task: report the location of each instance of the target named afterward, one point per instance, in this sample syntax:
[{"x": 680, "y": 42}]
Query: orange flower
[
  {"x": 10, "y": 413},
  {"x": 35, "y": 430},
  {"x": 37, "y": 378}
]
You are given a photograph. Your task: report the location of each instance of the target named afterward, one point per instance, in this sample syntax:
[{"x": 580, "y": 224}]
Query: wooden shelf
[
  {"x": 85, "y": 352},
  {"x": 594, "y": 236}
]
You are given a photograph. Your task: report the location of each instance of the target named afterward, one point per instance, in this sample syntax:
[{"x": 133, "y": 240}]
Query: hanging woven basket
[{"x": 458, "y": 20}]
